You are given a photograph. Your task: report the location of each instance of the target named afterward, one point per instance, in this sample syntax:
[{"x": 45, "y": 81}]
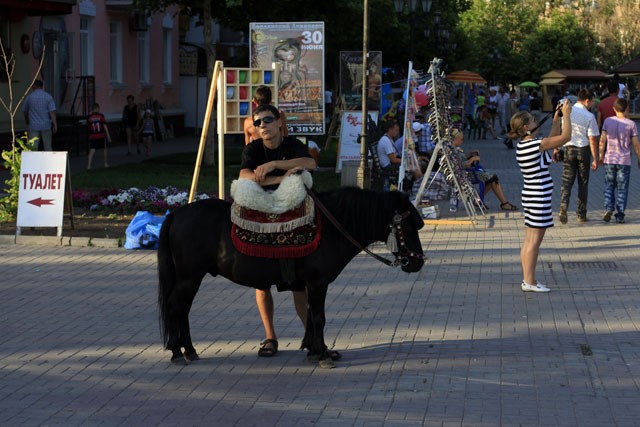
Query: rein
[{"x": 397, "y": 219}]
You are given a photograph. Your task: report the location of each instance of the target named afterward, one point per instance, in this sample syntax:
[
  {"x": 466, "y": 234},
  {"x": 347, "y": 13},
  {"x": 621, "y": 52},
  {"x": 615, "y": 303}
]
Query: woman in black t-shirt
[{"x": 130, "y": 120}]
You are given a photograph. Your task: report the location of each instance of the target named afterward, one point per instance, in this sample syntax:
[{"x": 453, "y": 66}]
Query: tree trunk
[{"x": 210, "y": 150}]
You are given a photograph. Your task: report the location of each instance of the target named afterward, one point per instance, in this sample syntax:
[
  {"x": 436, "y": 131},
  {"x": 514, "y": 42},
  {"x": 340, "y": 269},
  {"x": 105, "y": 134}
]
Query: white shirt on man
[
  {"x": 583, "y": 125},
  {"x": 385, "y": 148},
  {"x": 503, "y": 99}
]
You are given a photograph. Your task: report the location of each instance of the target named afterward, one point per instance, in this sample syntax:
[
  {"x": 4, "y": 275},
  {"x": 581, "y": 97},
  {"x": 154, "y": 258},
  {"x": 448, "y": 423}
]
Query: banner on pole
[{"x": 299, "y": 49}]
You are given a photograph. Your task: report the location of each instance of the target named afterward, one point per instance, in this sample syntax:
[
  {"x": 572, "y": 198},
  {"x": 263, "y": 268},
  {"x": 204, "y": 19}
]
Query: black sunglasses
[{"x": 265, "y": 119}]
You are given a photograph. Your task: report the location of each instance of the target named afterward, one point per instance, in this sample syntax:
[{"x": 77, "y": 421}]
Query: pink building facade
[{"x": 100, "y": 50}]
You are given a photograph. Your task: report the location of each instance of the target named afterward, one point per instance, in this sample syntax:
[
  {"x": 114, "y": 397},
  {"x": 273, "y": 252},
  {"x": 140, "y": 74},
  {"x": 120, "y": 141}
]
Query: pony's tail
[{"x": 166, "y": 277}]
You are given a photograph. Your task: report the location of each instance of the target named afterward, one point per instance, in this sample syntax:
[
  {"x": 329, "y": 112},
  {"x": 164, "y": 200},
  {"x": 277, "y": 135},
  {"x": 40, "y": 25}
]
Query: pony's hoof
[
  {"x": 324, "y": 361},
  {"x": 191, "y": 357},
  {"x": 333, "y": 354},
  {"x": 326, "y": 364},
  {"x": 179, "y": 361}
]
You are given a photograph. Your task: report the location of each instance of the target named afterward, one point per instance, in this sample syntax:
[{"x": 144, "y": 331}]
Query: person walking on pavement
[
  {"x": 130, "y": 121},
  {"x": 605, "y": 107},
  {"x": 579, "y": 154},
  {"x": 492, "y": 107},
  {"x": 147, "y": 131},
  {"x": 534, "y": 159},
  {"x": 39, "y": 110},
  {"x": 618, "y": 134},
  {"x": 511, "y": 109},
  {"x": 503, "y": 100},
  {"x": 535, "y": 106},
  {"x": 98, "y": 134}
]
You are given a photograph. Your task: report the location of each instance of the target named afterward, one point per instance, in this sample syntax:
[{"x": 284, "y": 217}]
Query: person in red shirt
[
  {"x": 605, "y": 107},
  {"x": 98, "y": 134}
]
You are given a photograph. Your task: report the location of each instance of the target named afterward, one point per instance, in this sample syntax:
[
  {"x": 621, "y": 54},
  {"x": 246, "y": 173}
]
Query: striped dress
[{"x": 538, "y": 184}]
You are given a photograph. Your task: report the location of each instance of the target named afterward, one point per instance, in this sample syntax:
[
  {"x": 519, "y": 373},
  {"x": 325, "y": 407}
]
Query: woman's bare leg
[
  {"x": 529, "y": 253},
  {"x": 497, "y": 190}
]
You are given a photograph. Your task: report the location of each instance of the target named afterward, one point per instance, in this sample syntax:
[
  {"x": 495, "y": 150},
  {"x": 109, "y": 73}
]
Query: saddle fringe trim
[
  {"x": 274, "y": 227},
  {"x": 263, "y": 251},
  {"x": 289, "y": 194}
]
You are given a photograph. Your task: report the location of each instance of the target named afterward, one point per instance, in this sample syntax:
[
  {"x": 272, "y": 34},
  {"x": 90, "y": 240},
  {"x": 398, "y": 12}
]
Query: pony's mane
[{"x": 362, "y": 212}]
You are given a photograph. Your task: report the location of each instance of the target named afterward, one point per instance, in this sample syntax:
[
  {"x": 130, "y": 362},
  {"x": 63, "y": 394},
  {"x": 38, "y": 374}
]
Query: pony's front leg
[{"x": 314, "y": 331}]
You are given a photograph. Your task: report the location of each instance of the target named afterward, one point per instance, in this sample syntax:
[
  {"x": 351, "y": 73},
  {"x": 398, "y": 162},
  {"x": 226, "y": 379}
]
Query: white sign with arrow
[{"x": 42, "y": 184}]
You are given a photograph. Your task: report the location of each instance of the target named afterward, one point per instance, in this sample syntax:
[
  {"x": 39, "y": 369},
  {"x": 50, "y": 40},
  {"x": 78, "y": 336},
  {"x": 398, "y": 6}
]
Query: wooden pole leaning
[
  {"x": 221, "y": 130},
  {"x": 205, "y": 129}
]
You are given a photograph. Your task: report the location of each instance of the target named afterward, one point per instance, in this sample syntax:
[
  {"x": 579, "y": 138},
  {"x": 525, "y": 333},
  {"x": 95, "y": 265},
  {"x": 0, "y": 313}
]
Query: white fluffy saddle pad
[{"x": 290, "y": 193}]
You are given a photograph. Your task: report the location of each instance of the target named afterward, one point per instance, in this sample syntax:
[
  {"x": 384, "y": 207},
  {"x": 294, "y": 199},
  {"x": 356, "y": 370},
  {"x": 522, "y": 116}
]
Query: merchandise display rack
[
  {"x": 441, "y": 124},
  {"x": 238, "y": 87}
]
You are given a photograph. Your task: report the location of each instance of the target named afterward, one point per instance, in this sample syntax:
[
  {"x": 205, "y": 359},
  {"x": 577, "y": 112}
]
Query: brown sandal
[{"x": 268, "y": 348}]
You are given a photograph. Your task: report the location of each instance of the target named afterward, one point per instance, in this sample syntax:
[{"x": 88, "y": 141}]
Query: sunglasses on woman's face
[{"x": 265, "y": 120}]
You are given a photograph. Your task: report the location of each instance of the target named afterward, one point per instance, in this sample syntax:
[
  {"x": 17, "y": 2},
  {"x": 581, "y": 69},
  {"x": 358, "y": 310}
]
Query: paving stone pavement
[{"x": 456, "y": 344}]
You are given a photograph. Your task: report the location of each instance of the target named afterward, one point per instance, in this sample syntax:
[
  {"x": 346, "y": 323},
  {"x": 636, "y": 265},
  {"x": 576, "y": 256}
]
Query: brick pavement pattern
[{"x": 456, "y": 344}]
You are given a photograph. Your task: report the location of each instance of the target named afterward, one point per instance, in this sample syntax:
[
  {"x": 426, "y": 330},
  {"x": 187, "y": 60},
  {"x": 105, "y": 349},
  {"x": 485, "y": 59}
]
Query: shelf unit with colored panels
[{"x": 238, "y": 87}]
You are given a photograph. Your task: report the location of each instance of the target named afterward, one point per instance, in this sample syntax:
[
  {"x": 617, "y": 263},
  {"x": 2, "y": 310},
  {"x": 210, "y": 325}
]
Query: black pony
[{"x": 196, "y": 240}]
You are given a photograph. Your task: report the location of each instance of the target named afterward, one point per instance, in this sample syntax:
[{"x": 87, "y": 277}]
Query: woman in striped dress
[{"x": 534, "y": 158}]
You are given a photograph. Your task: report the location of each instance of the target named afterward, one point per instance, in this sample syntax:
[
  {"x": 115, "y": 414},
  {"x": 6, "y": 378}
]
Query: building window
[
  {"x": 86, "y": 46},
  {"x": 143, "y": 57},
  {"x": 166, "y": 56},
  {"x": 115, "y": 36}
]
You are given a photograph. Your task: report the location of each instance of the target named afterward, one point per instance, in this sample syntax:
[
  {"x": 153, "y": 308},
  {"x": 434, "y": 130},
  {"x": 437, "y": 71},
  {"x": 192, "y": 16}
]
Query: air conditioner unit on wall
[{"x": 138, "y": 21}]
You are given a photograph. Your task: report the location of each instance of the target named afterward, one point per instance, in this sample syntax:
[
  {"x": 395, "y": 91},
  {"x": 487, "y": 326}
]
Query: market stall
[
  {"x": 468, "y": 80},
  {"x": 556, "y": 82}
]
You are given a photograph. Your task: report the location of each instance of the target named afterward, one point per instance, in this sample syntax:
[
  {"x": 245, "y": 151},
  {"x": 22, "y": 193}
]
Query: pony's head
[
  {"x": 403, "y": 239},
  {"x": 371, "y": 216}
]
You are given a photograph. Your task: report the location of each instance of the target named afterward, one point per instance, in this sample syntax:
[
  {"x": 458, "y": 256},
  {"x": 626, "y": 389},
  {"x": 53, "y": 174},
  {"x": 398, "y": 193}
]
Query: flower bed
[{"x": 152, "y": 199}]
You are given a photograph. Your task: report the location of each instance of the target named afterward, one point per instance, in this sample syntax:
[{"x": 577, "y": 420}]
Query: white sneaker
[{"x": 539, "y": 287}]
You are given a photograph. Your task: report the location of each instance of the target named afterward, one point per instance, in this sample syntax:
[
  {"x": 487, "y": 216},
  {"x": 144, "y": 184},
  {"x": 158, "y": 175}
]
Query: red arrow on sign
[{"x": 40, "y": 201}]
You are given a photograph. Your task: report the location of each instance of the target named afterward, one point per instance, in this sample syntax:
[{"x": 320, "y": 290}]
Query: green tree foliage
[
  {"x": 343, "y": 20},
  {"x": 532, "y": 36},
  {"x": 12, "y": 161},
  {"x": 558, "y": 43},
  {"x": 502, "y": 25},
  {"x": 617, "y": 25}
]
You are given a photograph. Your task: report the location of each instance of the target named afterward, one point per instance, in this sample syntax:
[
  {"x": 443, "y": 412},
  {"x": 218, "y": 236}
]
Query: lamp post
[
  {"x": 441, "y": 35},
  {"x": 413, "y": 6},
  {"x": 363, "y": 176},
  {"x": 494, "y": 58}
]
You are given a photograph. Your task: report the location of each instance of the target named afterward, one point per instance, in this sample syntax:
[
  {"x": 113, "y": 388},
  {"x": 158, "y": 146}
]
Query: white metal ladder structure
[{"x": 450, "y": 165}]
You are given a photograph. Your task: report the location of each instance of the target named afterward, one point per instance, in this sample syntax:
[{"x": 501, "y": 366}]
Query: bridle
[{"x": 396, "y": 241}]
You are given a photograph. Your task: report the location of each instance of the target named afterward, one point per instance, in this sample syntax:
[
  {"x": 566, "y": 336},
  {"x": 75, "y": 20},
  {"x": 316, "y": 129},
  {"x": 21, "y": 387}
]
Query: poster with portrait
[
  {"x": 351, "y": 79},
  {"x": 298, "y": 48}
]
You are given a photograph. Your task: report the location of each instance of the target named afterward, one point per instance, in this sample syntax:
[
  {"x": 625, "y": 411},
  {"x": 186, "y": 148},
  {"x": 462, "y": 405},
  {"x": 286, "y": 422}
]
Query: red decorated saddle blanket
[{"x": 278, "y": 224}]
